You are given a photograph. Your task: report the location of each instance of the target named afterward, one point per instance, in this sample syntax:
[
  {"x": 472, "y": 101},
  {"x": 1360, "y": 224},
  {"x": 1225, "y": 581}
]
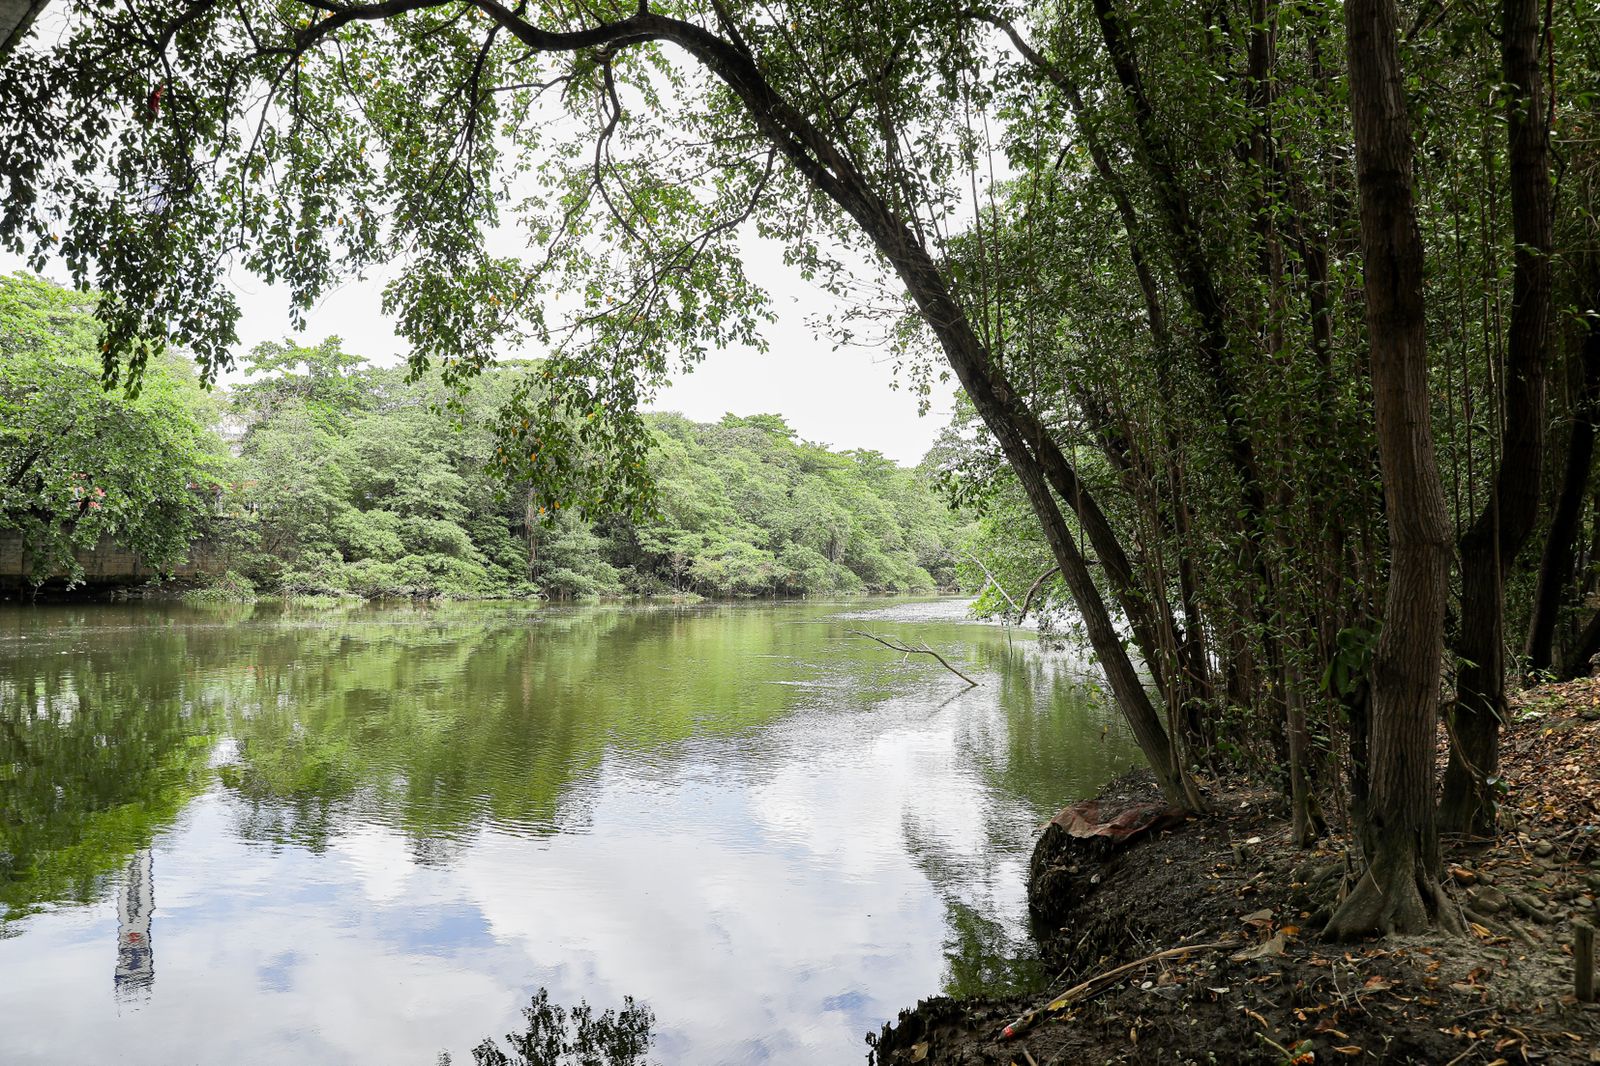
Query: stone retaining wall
[{"x": 108, "y": 563}]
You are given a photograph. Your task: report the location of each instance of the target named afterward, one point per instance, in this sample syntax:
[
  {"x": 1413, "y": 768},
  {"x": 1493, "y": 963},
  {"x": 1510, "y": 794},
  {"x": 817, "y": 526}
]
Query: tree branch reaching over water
[{"x": 901, "y": 646}]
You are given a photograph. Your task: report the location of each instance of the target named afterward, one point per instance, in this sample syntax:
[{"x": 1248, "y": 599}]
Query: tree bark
[
  {"x": 1399, "y": 891},
  {"x": 16, "y": 16},
  {"x": 1194, "y": 272},
  {"x": 1205, "y": 298},
  {"x": 1555, "y": 563},
  {"x": 1584, "y": 647},
  {"x": 1490, "y": 545},
  {"x": 1305, "y": 825},
  {"x": 1192, "y": 673}
]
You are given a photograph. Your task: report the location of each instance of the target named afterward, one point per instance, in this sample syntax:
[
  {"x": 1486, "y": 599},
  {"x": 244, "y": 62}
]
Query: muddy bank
[{"x": 1232, "y": 912}]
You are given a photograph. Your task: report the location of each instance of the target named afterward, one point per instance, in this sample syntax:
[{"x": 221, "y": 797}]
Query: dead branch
[
  {"x": 1027, "y": 600},
  {"x": 993, "y": 580},
  {"x": 1099, "y": 983},
  {"x": 901, "y": 646}
]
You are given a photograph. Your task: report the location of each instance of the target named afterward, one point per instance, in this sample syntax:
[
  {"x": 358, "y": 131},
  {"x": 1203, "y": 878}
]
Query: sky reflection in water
[{"x": 258, "y": 837}]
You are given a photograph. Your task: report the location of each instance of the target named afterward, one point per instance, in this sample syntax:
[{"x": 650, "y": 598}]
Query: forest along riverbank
[{"x": 1199, "y": 943}]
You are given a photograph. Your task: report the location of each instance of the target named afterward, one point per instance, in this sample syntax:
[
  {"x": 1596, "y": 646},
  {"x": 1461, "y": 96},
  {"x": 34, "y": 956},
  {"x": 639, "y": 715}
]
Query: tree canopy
[
  {"x": 354, "y": 479},
  {"x": 360, "y": 481},
  {"x": 78, "y": 463}
]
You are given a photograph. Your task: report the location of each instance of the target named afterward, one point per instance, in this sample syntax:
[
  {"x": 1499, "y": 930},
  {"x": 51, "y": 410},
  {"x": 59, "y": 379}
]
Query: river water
[{"x": 255, "y": 835}]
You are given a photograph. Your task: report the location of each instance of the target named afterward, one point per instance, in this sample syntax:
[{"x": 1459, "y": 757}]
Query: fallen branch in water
[{"x": 909, "y": 650}]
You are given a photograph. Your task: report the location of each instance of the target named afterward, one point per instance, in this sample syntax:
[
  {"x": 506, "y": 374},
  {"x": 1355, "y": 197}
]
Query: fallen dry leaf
[{"x": 1275, "y": 946}]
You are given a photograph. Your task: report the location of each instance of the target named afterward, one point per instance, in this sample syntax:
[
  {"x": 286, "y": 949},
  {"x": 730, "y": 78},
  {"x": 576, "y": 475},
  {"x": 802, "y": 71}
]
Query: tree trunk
[
  {"x": 1489, "y": 547},
  {"x": 1399, "y": 891},
  {"x": 1585, "y": 646},
  {"x": 1305, "y": 819},
  {"x": 1191, "y": 674},
  {"x": 1204, "y": 295},
  {"x": 16, "y": 16},
  {"x": 1555, "y": 564},
  {"x": 530, "y": 525}
]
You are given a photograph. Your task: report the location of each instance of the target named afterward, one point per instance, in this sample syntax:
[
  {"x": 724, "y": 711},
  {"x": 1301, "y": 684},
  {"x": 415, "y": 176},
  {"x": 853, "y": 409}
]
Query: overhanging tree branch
[{"x": 901, "y": 646}]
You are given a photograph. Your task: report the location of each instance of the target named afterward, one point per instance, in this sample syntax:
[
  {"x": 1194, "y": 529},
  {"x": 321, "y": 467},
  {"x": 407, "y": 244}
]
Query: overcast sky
[{"x": 845, "y": 399}]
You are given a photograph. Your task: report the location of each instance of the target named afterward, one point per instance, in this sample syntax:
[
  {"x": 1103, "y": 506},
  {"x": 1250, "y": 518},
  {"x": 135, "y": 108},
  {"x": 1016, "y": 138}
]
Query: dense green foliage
[
  {"x": 1255, "y": 303},
  {"x": 79, "y": 462},
  {"x": 354, "y": 480}
]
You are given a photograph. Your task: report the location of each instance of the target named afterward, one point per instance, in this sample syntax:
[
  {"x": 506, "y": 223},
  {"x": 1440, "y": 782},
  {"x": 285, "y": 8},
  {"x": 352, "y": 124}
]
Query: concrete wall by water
[{"x": 108, "y": 563}]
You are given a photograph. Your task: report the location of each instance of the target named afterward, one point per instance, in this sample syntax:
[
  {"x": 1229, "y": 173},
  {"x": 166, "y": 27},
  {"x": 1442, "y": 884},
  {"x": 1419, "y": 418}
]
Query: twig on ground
[{"x": 1097, "y": 984}]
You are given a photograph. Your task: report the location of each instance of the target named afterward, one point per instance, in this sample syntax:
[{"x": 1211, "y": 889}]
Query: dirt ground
[{"x": 1256, "y": 985}]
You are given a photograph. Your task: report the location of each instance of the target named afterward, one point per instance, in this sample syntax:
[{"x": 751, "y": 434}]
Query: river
[{"x": 261, "y": 835}]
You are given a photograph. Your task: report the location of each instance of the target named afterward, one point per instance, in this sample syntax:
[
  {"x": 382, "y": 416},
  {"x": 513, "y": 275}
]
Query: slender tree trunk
[
  {"x": 1399, "y": 891},
  {"x": 1192, "y": 678},
  {"x": 1585, "y": 645},
  {"x": 1205, "y": 298},
  {"x": 1032, "y": 454},
  {"x": 1490, "y": 545},
  {"x": 530, "y": 524},
  {"x": 1149, "y": 624},
  {"x": 1555, "y": 564},
  {"x": 1305, "y": 824}
]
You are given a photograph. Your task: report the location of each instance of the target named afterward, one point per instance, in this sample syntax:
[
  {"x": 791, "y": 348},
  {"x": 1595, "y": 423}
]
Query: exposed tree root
[{"x": 1399, "y": 893}]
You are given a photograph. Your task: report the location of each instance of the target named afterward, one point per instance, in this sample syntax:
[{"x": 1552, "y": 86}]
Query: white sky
[{"x": 845, "y": 398}]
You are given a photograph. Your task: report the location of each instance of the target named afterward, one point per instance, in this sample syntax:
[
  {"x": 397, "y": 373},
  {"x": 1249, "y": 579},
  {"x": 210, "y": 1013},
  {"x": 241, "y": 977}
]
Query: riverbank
[
  {"x": 229, "y": 590},
  {"x": 1198, "y": 943}
]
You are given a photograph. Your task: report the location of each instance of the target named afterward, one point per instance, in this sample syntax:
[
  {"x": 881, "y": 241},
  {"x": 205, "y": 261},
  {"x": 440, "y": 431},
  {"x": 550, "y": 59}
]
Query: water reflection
[
  {"x": 555, "y": 1037},
  {"x": 377, "y": 830},
  {"x": 136, "y": 906}
]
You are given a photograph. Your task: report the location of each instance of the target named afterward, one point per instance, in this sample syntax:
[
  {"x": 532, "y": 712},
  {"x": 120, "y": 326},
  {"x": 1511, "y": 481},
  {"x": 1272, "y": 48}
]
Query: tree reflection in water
[{"x": 555, "y": 1037}]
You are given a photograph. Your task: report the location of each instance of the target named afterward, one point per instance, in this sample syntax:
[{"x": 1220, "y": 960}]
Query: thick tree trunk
[
  {"x": 1399, "y": 891},
  {"x": 16, "y": 16},
  {"x": 1555, "y": 564},
  {"x": 1489, "y": 547}
]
